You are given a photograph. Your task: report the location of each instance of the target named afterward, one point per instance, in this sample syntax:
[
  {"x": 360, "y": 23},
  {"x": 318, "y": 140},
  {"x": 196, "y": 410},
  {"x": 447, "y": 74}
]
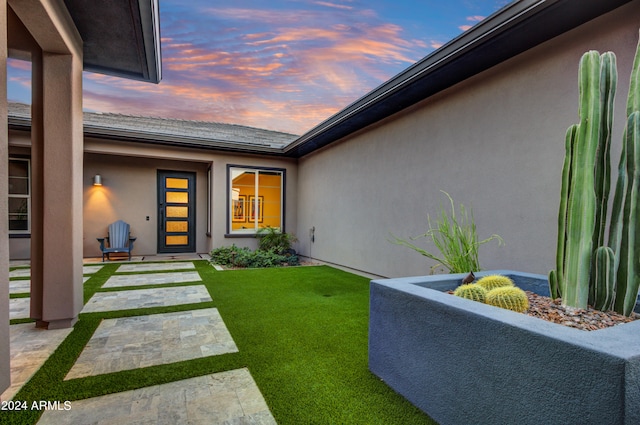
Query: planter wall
[{"x": 464, "y": 362}]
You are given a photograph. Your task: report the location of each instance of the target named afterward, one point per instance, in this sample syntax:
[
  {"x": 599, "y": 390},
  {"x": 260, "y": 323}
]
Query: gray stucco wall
[{"x": 495, "y": 142}]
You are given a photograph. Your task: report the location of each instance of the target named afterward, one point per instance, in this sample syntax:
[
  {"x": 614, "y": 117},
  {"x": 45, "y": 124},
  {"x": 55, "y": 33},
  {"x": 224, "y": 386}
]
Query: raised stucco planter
[{"x": 464, "y": 362}]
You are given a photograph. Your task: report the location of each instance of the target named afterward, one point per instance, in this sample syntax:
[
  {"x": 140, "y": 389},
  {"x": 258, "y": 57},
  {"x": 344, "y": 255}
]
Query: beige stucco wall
[
  {"x": 129, "y": 192},
  {"x": 494, "y": 142}
]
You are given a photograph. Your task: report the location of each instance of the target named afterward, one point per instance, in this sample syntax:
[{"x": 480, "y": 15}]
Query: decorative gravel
[
  {"x": 585, "y": 319},
  {"x": 589, "y": 319}
]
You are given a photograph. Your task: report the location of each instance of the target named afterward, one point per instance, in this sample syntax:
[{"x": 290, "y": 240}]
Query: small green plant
[
  {"x": 494, "y": 281},
  {"x": 271, "y": 238},
  {"x": 471, "y": 291},
  {"x": 456, "y": 239},
  {"x": 508, "y": 297}
]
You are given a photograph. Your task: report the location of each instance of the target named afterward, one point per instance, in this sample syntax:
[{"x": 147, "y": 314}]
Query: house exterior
[
  {"x": 61, "y": 39},
  {"x": 482, "y": 118},
  {"x": 135, "y": 155}
]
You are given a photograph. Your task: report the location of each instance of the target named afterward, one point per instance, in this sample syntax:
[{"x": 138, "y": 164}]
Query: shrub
[
  {"x": 271, "y": 238},
  {"x": 245, "y": 258},
  {"x": 456, "y": 239}
]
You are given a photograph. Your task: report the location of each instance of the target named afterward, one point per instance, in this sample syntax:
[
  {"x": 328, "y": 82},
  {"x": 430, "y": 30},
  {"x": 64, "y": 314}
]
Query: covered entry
[{"x": 176, "y": 211}]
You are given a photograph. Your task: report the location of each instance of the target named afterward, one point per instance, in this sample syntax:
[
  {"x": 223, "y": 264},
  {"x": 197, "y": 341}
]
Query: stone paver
[
  {"x": 19, "y": 286},
  {"x": 230, "y": 397},
  {"x": 146, "y": 298},
  {"x": 19, "y": 308},
  {"x": 30, "y": 347},
  {"x": 23, "y": 286},
  {"x": 117, "y": 281},
  {"x": 154, "y": 267},
  {"x": 133, "y": 342},
  {"x": 20, "y": 273},
  {"x": 90, "y": 269}
]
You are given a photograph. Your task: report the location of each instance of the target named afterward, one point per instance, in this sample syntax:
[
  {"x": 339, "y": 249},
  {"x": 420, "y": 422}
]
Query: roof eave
[
  {"x": 510, "y": 31},
  {"x": 177, "y": 141},
  {"x": 21, "y": 123},
  {"x": 151, "y": 69}
]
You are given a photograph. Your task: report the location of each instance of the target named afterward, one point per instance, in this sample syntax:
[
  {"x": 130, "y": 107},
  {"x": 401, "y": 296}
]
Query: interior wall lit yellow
[
  {"x": 177, "y": 197},
  {"x": 270, "y": 200},
  {"x": 175, "y": 183}
]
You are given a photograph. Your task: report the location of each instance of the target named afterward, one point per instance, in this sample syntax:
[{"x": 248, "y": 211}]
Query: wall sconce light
[{"x": 97, "y": 180}]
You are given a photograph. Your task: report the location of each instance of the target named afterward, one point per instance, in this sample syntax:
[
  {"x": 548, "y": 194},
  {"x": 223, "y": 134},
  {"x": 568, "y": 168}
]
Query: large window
[
  {"x": 255, "y": 198},
  {"x": 19, "y": 196}
]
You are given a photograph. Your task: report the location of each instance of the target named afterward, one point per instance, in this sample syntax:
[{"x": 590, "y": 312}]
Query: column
[
  {"x": 5, "y": 374},
  {"x": 62, "y": 156}
]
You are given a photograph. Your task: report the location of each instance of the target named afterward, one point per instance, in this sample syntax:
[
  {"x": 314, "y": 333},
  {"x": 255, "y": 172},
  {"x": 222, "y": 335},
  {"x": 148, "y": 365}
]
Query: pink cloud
[
  {"x": 337, "y": 6},
  {"x": 283, "y": 70},
  {"x": 476, "y": 18}
]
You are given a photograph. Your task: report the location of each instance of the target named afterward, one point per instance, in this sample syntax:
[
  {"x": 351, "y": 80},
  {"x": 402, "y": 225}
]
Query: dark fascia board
[
  {"x": 512, "y": 30},
  {"x": 149, "y": 138},
  {"x": 150, "y": 20}
]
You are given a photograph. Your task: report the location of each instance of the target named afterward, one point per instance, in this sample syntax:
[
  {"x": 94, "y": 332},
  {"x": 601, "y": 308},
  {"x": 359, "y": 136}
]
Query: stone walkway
[
  {"x": 230, "y": 397},
  {"x": 19, "y": 307},
  {"x": 118, "y": 281},
  {"x": 30, "y": 347},
  {"x": 145, "y": 298},
  {"x": 141, "y": 341},
  {"x": 155, "y": 267},
  {"x": 222, "y": 398}
]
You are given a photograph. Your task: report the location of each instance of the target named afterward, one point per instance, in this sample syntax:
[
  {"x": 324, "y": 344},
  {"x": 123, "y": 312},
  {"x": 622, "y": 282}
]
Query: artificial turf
[{"x": 301, "y": 332}]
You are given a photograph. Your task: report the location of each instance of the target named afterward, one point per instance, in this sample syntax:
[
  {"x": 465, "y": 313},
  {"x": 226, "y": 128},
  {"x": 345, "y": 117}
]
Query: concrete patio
[{"x": 140, "y": 341}]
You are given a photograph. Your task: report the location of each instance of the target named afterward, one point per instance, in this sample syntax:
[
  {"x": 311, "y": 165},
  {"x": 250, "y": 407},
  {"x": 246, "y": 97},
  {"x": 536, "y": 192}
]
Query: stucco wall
[
  {"x": 129, "y": 193},
  {"x": 495, "y": 142}
]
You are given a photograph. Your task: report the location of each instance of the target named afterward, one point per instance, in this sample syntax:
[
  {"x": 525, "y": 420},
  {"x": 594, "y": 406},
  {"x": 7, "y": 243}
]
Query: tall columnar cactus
[
  {"x": 627, "y": 234},
  {"x": 585, "y": 180},
  {"x": 587, "y": 269}
]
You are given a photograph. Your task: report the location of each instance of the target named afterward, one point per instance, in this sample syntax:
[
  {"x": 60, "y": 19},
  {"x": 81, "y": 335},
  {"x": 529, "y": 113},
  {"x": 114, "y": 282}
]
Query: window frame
[
  {"x": 27, "y": 231},
  {"x": 250, "y": 233}
]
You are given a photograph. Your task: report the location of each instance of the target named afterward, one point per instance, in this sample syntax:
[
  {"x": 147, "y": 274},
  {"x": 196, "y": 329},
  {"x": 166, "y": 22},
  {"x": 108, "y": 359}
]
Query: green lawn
[{"x": 301, "y": 332}]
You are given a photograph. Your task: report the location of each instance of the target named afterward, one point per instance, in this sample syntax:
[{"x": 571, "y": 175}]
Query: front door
[{"x": 176, "y": 211}]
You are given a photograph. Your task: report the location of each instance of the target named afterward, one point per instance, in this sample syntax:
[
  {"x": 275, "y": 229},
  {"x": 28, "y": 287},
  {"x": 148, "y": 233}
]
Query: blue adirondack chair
[{"x": 118, "y": 240}]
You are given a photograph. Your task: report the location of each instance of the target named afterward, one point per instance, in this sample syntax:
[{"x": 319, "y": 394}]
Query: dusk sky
[{"x": 283, "y": 65}]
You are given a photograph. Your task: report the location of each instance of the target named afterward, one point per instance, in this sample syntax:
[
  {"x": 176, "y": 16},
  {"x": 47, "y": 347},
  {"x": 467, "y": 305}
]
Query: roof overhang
[
  {"x": 512, "y": 30},
  {"x": 19, "y": 120},
  {"x": 120, "y": 37}
]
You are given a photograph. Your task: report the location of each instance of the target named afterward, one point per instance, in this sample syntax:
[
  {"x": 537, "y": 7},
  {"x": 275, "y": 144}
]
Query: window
[
  {"x": 19, "y": 196},
  {"x": 255, "y": 198}
]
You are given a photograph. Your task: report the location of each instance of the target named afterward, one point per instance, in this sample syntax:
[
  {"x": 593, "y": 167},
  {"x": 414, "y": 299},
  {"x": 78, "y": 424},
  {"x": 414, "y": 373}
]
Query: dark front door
[{"x": 176, "y": 211}]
